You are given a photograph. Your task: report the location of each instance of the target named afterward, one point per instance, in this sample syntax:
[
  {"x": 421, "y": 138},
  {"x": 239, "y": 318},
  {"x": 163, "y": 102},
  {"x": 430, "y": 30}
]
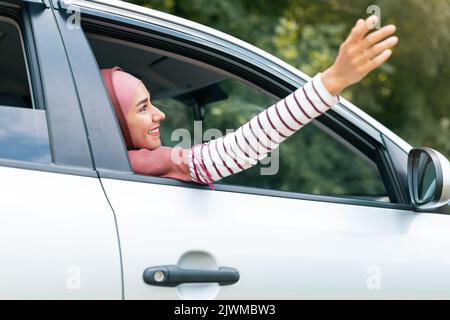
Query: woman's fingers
[
  {"x": 382, "y": 46},
  {"x": 378, "y": 35},
  {"x": 377, "y": 49},
  {"x": 361, "y": 28},
  {"x": 377, "y": 61},
  {"x": 361, "y": 53}
]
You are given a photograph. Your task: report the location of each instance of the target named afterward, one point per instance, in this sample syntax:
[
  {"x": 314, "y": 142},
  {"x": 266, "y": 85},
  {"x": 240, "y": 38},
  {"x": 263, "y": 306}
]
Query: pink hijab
[{"x": 121, "y": 87}]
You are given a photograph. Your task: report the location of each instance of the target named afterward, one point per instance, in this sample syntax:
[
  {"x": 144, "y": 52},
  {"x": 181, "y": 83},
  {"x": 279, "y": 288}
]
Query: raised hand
[{"x": 359, "y": 54}]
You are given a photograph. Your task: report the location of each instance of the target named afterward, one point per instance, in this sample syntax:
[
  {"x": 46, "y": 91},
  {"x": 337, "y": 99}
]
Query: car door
[
  {"x": 246, "y": 242},
  {"x": 57, "y": 230}
]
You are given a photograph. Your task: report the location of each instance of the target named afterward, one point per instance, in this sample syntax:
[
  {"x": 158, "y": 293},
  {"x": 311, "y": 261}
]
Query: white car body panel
[
  {"x": 58, "y": 237},
  {"x": 283, "y": 248}
]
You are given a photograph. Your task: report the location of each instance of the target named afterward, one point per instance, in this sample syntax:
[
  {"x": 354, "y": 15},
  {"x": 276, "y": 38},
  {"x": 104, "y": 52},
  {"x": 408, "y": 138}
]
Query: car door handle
[{"x": 172, "y": 276}]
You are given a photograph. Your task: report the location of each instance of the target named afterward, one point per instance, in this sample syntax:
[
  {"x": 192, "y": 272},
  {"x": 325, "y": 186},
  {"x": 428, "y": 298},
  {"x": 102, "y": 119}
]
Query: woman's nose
[{"x": 158, "y": 115}]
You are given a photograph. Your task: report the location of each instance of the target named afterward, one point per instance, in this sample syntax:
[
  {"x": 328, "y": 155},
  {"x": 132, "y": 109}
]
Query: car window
[
  {"x": 23, "y": 129},
  {"x": 201, "y": 102}
]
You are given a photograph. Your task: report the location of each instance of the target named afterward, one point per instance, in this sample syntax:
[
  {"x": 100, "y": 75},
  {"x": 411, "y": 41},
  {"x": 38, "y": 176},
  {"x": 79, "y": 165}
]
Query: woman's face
[{"x": 143, "y": 120}]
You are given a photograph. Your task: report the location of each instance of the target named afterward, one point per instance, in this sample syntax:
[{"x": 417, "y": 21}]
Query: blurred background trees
[{"x": 408, "y": 94}]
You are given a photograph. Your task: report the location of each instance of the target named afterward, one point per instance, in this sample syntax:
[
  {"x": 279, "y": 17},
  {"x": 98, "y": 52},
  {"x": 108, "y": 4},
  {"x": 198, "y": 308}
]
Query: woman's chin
[{"x": 154, "y": 144}]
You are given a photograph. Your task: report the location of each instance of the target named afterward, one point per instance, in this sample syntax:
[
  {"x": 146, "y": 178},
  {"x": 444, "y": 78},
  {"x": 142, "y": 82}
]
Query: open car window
[{"x": 201, "y": 101}]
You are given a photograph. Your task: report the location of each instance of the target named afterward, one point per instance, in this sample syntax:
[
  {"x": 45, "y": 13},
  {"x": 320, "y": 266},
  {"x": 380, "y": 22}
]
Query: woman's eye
[{"x": 143, "y": 108}]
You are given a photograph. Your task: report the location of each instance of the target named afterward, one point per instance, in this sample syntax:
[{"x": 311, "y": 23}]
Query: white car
[{"x": 77, "y": 223}]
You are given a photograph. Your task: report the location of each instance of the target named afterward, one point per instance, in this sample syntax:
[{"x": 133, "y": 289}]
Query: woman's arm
[
  {"x": 358, "y": 55},
  {"x": 205, "y": 163},
  {"x": 253, "y": 141}
]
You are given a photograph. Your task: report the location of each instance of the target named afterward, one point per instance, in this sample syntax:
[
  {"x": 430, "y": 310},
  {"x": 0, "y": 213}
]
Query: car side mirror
[{"x": 428, "y": 178}]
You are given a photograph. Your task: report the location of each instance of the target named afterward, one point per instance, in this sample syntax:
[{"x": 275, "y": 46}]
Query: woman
[{"x": 205, "y": 163}]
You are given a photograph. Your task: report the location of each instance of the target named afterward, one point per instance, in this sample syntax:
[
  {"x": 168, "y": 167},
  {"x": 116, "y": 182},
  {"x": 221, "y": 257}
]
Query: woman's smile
[{"x": 154, "y": 132}]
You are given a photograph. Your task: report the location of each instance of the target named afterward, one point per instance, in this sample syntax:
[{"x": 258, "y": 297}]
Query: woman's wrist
[{"x": 332, "y": 83}]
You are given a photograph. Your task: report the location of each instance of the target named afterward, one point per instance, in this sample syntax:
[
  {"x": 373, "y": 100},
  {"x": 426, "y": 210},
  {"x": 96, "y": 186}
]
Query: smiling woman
[
  {"x": 238, "y": 151},
  {"x": 139, "y": 121},
  {"x": 142, "y": 119},
  {"x": 208, "y": 162},
  {"x": 144, "y": 122}
]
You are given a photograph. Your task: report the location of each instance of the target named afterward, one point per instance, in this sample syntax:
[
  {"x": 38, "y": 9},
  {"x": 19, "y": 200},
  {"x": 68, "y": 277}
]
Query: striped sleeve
[{"x": 252, "y": 142}]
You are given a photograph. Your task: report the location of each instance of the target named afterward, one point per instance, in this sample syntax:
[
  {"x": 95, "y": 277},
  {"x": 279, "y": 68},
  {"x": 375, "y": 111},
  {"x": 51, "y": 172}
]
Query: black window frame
[
  {"x": 174, "y": 41},
  {"x": 48, "y": 69}
]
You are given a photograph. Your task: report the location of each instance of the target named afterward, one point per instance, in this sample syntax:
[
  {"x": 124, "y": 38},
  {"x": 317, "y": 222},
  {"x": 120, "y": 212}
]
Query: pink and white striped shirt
[{"x": 242, "y": 149}]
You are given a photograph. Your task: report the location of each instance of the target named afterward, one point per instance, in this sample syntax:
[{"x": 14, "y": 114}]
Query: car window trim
[
  {"x": 386, "y": 179},
  {"x": 18, "y": 25},
  {"x": 10, "y": 5},
  {"x": 60, "y": 101},
  {"x": 106, "y": 143},
  {"x": 51, "y": 168},
  {"x": 107, "y": 174},
  {"x": 19, "y": 13},
  {"x": 127, "y": 172},
  {"x": 32, "y": 62}
]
